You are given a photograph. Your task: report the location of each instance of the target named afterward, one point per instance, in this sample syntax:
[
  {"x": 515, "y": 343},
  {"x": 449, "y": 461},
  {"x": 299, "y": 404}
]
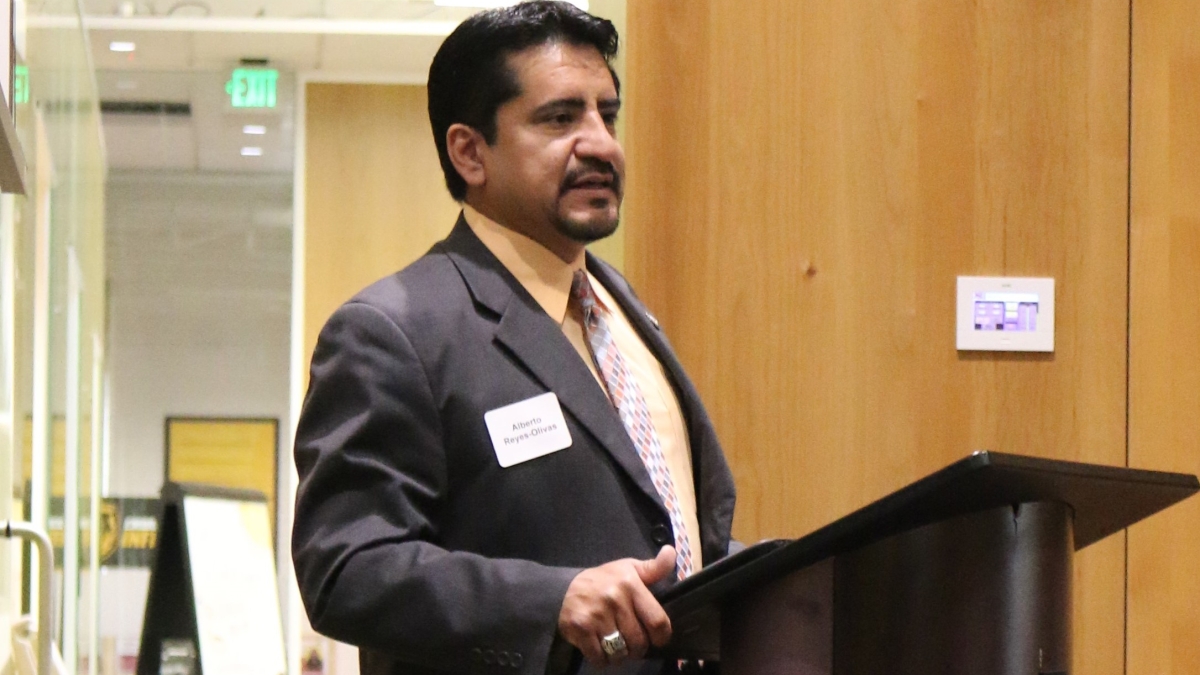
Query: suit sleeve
[{"x": 372, "y": 465}]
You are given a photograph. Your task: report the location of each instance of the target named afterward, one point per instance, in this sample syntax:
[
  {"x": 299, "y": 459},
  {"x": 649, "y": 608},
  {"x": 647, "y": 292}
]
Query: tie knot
[{"x": 581, "y": 290}]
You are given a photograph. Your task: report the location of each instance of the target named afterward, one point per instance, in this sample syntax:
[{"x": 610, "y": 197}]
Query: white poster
[{"x": 233, "y": 579}]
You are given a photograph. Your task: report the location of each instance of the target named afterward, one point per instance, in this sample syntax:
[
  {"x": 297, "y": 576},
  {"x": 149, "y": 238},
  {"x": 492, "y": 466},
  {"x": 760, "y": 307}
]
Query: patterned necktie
[{"x": 627, "y": 398}]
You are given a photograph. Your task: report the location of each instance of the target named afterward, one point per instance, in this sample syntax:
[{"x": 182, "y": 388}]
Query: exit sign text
[{"x": 252, "y": 87}]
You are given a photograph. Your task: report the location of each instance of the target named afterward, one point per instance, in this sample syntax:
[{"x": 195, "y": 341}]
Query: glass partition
[{"x": 58, "y": 325}]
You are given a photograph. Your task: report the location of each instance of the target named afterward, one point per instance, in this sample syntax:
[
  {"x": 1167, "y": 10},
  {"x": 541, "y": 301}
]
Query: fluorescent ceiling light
[
  {"x": 122, "y": 47},
  {"x": 251, "y": 151},
  {"x": 254, "y": 129},
  {"x": 492, "y": 4}
]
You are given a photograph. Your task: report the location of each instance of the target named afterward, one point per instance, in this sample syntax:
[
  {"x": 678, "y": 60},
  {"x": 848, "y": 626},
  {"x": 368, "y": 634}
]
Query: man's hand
[{"x": 615, "y": 597}]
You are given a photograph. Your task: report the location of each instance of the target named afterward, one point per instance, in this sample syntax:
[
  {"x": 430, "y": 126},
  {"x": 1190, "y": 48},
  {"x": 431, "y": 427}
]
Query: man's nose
[{"x": 597, "y": 141}]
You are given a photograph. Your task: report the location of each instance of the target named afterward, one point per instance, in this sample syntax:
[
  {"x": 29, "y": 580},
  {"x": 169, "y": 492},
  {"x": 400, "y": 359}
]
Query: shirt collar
[{"x": 542, "y": 273}]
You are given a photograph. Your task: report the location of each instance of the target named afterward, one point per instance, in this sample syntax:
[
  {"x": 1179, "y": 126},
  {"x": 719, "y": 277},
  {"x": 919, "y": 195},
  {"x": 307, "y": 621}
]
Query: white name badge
[{"x": 527, "y": 429}]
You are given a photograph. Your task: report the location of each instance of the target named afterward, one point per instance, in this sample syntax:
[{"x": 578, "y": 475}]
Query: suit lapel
[
  {"x": 648, "y": 329},
  {"x": 652, "y": 336},
  {"x": 538, "y": 343}
]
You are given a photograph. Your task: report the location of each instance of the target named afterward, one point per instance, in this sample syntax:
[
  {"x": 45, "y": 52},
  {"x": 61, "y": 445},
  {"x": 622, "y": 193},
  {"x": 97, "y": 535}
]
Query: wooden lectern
[{"x": 967, "y": 570}]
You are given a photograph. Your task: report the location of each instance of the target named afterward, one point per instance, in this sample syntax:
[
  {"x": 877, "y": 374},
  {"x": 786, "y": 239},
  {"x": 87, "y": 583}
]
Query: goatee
[{"x": 587, "y": 231}]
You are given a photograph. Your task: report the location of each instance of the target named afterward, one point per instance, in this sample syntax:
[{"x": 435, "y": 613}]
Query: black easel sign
[{"x": 213, "y": 602}]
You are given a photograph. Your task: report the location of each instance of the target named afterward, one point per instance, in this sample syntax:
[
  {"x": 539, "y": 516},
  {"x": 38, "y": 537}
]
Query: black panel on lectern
[{"x": 1105, "y": 500}]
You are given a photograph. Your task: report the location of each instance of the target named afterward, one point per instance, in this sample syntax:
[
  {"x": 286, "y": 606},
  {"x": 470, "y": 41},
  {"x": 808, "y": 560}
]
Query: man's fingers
[
  {"x": 652, "y": 617},
  {"x": 592, "y": 652},
  {"x": 631, "y": 629},
  {"x": 615, "y": 597},
  {"x": 586, "y": 638},
  {"x": 654, "y": 571},
  {"x": 649, "y": 613}
]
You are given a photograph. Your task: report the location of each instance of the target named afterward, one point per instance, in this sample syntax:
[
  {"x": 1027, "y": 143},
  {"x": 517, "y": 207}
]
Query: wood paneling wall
[
  {"x": 374, "y": 195},
  {"x": 807, "y": 178},
  {"x": 1164, "y": 553}
]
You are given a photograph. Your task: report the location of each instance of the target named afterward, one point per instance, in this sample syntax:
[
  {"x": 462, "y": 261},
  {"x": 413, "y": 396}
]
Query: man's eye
[{"x": 559, "y": 119}]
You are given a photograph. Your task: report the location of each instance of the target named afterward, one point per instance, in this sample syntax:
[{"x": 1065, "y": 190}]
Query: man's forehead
[{"x": 557, "y": 63}]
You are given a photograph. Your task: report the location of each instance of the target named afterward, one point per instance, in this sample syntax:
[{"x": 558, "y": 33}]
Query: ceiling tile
[
  {"x": 413, "y": 10},
  {"x": 214, "y": 51},
  {"x": 402, "y": 57},
  {"x": 229, "y": 8},
  {"x": 155, "y": 50}
]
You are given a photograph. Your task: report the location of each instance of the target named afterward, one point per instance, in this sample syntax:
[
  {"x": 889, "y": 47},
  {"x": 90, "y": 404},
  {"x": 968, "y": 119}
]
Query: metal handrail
[{"x": 30, "y": 532}]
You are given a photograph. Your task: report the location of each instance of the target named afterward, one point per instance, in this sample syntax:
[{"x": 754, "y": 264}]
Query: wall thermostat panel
[{"x": 1005, "y": 314}]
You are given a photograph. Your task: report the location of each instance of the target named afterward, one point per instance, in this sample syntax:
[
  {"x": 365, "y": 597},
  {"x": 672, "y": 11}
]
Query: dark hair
[{"x": 470, "y": 79}]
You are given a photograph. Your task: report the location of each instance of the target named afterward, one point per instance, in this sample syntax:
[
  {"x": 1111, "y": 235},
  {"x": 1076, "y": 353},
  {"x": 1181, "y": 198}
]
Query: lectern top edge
[
  {"x": 1104, "y": 500},
  {"x": 1094, "y": 471}
]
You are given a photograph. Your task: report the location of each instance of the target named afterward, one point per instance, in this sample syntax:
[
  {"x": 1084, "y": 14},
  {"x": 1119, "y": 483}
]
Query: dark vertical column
[
  {"x": 785, "y": 627},
  {"x": 985, "y": 593},
  {"x": 988, "y": 593}
]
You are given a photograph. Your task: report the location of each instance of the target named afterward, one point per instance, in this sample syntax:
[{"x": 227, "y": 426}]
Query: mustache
[{"x": 589, "y": 170}]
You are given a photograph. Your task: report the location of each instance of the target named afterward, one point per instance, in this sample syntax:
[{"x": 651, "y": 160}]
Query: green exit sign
[
  {"x": 21, "y": 84},
  {"x": 252, "y": 87}
]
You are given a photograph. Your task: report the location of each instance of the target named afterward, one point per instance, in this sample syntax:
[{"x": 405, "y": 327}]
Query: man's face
[{"x": 555, "y": 169}]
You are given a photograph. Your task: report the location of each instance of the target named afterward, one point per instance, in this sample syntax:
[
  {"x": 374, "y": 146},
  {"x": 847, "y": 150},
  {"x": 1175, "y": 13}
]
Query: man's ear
[{"x": 465, "y": 147}]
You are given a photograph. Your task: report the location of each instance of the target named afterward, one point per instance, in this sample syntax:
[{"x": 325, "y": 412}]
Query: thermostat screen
[{"x": 996, "y": 310}]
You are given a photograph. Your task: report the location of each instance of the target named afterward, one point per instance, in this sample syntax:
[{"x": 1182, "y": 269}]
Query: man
[{"x": 499, "y": 454}]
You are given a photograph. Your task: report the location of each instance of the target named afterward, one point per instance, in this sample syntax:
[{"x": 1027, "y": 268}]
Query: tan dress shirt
[{"x": 548, "y": 279}]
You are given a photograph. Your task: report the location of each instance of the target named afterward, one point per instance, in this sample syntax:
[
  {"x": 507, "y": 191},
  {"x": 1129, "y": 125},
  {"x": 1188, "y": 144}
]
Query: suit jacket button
[
  {"x": 516, "y": 659},
  {"x": 661, "y": 535},
  {"x": 489, "y": 657},
  {"x": 502, "y": 658},
  {"x": 477, "y": 653}
]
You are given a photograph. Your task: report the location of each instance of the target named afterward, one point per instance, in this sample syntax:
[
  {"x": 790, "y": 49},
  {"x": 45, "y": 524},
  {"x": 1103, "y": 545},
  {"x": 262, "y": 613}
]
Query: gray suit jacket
[{"x": 410, "y": 540}]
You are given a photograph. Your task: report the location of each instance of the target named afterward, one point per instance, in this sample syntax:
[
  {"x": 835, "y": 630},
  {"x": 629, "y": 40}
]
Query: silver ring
[{"x": 613, "y": 644}]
